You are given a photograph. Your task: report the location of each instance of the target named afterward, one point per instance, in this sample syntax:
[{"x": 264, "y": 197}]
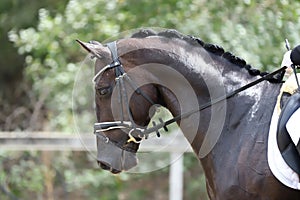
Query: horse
[{"x": 182, "y": 73}]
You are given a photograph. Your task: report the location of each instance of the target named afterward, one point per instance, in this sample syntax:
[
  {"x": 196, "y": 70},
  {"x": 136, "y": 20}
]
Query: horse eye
[{"x": 104, "y": 91}]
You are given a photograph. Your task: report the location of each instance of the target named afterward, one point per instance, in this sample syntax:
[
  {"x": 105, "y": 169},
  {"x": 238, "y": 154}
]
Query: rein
[{"x": 143, "y": 133}]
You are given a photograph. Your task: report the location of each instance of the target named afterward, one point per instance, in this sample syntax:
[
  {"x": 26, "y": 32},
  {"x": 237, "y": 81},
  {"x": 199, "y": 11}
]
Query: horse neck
[
  {"x": 209, "y": 76},
  {"x": 213, "y": 77},
  {"x": 248, "y": 112}
]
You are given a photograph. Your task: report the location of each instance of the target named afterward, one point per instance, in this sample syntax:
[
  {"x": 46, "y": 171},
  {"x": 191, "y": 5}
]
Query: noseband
[{"x": 137, "y": 134}]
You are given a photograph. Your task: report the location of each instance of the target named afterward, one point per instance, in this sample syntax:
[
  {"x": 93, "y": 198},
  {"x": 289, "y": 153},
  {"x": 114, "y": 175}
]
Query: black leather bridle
[
  {"x": 121, "y": 77},
  {"x": 137, "y": 134}
]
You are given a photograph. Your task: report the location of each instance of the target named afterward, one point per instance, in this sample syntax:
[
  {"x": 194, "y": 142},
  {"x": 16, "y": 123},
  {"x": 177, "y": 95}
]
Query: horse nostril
[
  {"x": 115, "y": 171},
  {"x": 104, "y": 166}
]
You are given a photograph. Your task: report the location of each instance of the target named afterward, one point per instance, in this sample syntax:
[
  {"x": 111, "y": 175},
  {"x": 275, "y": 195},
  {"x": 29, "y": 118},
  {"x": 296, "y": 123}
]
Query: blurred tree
[
  {"x": 254, "y": 30},
  {"x": 18, "y": 14},
  {"x": 245, "y": 27},
  {"x": 13, "y": 88}
]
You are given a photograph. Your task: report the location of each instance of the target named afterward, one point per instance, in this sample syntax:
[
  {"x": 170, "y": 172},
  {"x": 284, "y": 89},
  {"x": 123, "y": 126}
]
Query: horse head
[{"x": 123, "y": 109}]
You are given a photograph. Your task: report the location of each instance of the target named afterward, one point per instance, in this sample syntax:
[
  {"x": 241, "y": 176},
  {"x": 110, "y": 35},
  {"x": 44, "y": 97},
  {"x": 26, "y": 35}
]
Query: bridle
[
  {"x": 121, "y": 78},
  {"x": 137, "y": 134}
]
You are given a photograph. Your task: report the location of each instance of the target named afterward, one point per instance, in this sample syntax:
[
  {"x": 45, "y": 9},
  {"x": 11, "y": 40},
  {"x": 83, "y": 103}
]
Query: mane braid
[{"x": 212, "y": 48}]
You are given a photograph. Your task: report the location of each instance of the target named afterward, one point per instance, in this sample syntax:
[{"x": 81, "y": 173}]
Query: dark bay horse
[{"x": 182, "y": 73}]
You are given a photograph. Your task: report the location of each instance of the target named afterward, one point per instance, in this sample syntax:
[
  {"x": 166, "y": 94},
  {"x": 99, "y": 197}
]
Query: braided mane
[{"x": 212, "y": 48}]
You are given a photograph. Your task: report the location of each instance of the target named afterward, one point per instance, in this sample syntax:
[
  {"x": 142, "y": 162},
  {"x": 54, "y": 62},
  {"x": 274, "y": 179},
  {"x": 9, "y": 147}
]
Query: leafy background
[{"x": 39, "y": 60}]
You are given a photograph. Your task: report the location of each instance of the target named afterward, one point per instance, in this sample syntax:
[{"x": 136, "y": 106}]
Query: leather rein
[{"x": 137, "y": 134}]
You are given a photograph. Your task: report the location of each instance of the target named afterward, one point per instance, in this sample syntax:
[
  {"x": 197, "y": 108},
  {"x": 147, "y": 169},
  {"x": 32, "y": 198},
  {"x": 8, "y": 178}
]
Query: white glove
[{"x": 286, "y": 61}]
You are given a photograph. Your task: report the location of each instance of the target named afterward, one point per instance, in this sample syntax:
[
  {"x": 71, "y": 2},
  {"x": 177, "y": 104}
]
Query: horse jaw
[{"x": 114, "y": 159}]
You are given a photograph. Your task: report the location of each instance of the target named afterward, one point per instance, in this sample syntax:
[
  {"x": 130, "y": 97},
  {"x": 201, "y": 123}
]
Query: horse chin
[{"x": 114, "y": 159}]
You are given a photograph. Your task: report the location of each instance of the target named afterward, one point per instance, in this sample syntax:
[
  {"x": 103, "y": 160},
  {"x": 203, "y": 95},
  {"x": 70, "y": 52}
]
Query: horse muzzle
[{"x": 113, "y": 158}]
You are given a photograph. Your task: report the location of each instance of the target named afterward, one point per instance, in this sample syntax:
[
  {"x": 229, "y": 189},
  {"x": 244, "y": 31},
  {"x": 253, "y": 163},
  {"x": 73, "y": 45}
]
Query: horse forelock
[{"x": 211, "y": 48}]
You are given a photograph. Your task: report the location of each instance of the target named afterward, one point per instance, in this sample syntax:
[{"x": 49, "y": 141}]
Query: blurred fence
[
  {"x": 174, "y": 143},
  {"x": 55, "y": 141}
]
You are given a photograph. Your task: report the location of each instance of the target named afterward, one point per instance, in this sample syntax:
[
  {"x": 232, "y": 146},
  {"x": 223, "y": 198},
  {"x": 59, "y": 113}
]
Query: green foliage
[
  {"x": 98, "y": 184},
  {"x": 18, "y": 14},
  {"x": 16, "y": 100},
  {"x": 194, "y": 178},
  {"x": 27, "y": 175},
  {"x": 253, "y": 30},
  {"x": 24, "y": 174}
]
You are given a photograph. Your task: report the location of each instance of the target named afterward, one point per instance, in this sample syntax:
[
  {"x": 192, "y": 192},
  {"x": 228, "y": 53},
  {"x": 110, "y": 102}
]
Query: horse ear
[{"x": 94, "y": 47}]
